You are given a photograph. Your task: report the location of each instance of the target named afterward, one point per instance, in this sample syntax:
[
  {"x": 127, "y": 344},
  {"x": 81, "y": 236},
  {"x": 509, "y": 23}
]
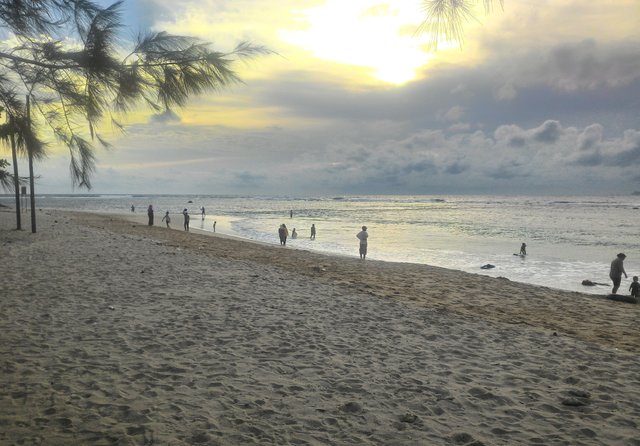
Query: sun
[{"x": 376, "y": 35}]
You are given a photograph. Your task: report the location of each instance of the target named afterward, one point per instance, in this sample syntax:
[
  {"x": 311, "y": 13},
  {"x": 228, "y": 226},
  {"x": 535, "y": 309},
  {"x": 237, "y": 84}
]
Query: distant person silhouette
[
  {"x": 363, "y": 236},
  {"x": 291, "y": 213},
  {"x": 203, "y": 214},
  {"x": 616, "y": 271},
  {"x": 214, "y": 226},
  {"x": 313, "y": 232},
  {"x": 150, "y": 214},
  {"x": 523, "y": 249},
  {"x": 133, "y": 208},
  {"x": 294, "y": 234},
  {"x": 185, "y": 212},
  {"x": 283, "y": 233},
  {"x": 167, "y": 219}
]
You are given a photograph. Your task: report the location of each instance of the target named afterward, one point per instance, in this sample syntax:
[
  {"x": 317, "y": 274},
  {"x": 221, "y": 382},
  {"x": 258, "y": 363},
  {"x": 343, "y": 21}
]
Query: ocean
[{"x": 569, "y": 239}]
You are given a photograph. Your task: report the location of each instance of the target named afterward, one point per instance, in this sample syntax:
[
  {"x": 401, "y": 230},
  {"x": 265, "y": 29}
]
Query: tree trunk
[
  {"x": 31, "y": 179},
  {"x": 16, "y": 181}
]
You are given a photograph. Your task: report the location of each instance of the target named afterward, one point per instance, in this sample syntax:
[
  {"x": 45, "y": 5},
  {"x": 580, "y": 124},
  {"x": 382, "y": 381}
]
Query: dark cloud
[
  {"x": 629, "y": 155},
  {"x": 589, "y": 159},
  {"x": 589, "y": 65},
  {"x": 248, "y": 180},
  {"x": 597, "y": 83},
  {"x": 456, "y": 168}
]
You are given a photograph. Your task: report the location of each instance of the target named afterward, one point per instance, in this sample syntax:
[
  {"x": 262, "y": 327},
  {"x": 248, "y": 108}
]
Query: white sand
[{"x": 114, "y": 333}]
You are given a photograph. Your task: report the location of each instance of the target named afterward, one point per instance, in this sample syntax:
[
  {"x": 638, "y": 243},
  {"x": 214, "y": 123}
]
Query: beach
[{"x": 114, "y": 332}]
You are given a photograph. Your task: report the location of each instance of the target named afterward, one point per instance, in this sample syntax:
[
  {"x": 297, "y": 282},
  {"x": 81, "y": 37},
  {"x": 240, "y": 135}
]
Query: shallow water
[{"x": 569, "y": 239}]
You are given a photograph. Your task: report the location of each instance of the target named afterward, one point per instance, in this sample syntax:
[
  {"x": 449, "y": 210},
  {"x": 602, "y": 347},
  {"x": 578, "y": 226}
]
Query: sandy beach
[{"x": 116, "y": 333}]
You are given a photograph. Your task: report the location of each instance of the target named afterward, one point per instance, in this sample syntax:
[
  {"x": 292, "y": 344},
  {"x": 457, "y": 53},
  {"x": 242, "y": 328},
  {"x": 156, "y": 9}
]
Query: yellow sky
[
  {"x": 349, "y": 74},
  {"x": 359, "y": 44},
  {"x": 377, "y": 36}
]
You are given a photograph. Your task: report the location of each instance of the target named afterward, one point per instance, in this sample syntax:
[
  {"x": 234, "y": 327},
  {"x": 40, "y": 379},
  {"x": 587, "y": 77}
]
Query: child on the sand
[
  {"x": 167, "y": 218},
  {"x": 635, "y": 287}
]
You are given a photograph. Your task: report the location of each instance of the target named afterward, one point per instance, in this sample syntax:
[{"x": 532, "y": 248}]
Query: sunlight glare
[{"x": 367, "y": 33}]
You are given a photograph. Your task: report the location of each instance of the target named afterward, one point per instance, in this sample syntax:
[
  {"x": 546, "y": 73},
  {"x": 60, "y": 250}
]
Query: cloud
[
  {"x": 590, "y": 137},
  {"x": 548, "y": 132},
  {"x": 628, "y": 155},
  {"x": 247, "y": 180},
  {"x": 165, "y": 117},
  {"x": 568, "y": 67},
  {"x": 454, "y": 114},
  {"x": 509, "y": 112}
]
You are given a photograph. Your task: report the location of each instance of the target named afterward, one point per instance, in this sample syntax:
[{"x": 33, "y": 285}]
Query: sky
[{"x": 541, "y": 98}]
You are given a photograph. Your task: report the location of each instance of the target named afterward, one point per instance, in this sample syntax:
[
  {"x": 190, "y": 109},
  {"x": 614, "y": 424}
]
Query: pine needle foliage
[
  {"x": 445, "y": 19},
  {"x": 6, "y": 179},
  {"x": 77, "y": 71}
]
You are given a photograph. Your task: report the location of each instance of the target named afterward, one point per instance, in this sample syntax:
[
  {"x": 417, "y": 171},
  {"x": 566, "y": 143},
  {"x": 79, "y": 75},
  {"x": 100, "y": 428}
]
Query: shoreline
[
  {"x": 430, "y": 286},
  {"x": 598, "y": 290},
  {"x": 564, "y": 266},
  {"x": 333, "y": 268},
  {"x": 113, "y": 332}
]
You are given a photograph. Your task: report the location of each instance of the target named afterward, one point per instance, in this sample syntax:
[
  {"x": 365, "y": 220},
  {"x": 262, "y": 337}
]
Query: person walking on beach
[
  {"x": 313, "y": 232},
  {"x": 523, "y": 249},
  {"x": 167, "y": 219},
  {"x": 186, "y": 219},
  {"x": 635, "y": 287},
  {"x": 363, "y": 236},
  {"x": 616, "y": 272},
  {"x": 283, "y": 233},
  {"x": 150, "y": 214},
  {"x": 214, "y": 226}
]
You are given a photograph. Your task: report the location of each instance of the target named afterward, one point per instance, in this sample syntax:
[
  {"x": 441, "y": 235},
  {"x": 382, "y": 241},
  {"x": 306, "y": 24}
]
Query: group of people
[
  {"x": 167, "y": 217},
  {"x": 283, "y": 233},
  {"x": 363, "y": 235}
]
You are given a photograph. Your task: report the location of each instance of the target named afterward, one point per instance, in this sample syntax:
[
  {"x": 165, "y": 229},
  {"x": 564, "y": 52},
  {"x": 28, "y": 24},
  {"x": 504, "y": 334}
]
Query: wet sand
[{"x": 113, "y": 332}]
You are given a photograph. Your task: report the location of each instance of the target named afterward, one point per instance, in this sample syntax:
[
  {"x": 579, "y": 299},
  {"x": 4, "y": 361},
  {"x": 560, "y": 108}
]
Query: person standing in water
[
  {"x": 523, "y": 249},
  {"x": 616, "y": 271},
  {"x": 203, "y": 214},
  {"x": 363, "y": 236},
  {"x": 214, "y": 226},
  {"x": 283, "y": 233},
  {"x": 313, "y": 232},
  {"x": 150, "y": 214}
]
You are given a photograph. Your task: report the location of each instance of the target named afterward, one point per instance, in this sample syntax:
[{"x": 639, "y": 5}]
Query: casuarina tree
[{"x": 68, "y": 69}]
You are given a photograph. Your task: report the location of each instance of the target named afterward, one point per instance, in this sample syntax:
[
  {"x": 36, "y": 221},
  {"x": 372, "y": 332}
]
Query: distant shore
[{"x": 114, "y": 331}]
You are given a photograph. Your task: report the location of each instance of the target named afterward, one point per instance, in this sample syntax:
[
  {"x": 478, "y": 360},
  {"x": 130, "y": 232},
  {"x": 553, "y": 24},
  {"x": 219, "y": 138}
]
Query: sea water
[{"x": 569, "y": 239}]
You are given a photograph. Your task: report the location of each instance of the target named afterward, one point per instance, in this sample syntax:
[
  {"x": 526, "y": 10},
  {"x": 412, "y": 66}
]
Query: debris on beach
[{"x": 587, "y": 282}]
